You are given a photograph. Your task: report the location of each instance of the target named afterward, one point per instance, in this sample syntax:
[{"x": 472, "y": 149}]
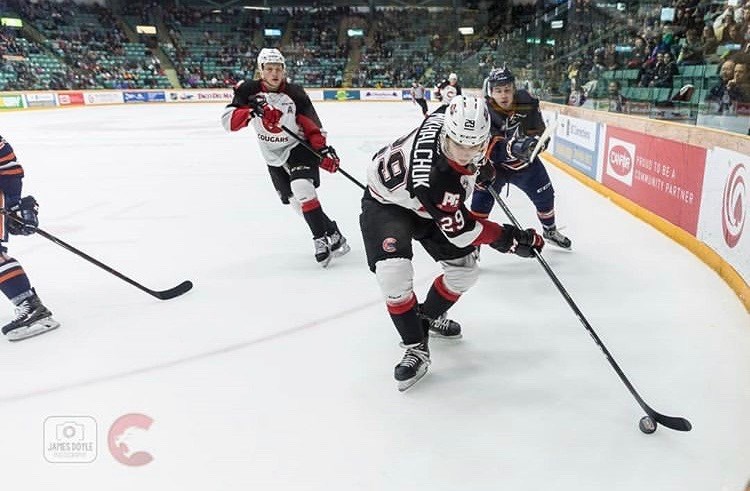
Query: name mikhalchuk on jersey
[{"x": 413, "y": 173}]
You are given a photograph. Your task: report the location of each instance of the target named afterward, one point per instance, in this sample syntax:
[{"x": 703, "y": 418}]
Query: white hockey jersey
[
  {"x": 413, "y": 173},
  {"x": 290, "y": 107}
]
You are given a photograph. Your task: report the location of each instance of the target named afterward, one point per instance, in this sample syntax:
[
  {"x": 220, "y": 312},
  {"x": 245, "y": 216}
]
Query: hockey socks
[
  {"x": 407, "y": 322},
  {"x": 439, "y": 299},
  {"x": 547, "y": 218},
  {"x": 434, "y": 310},
  {"x": 316, "y": 219},
  {"x": 13, "y": 281}
]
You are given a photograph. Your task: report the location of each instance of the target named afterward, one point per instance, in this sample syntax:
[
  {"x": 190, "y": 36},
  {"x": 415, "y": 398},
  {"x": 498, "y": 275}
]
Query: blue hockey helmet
[{"x": 500, "y": 76}]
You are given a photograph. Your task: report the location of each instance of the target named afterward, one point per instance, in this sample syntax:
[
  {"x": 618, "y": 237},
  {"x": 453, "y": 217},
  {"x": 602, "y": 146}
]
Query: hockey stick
[
  {"x": 675, "y": 423},
  {"x": 178, "y": 290},
  {"x": 543, "y": 138},
  {"x": 307, "y": 146}
]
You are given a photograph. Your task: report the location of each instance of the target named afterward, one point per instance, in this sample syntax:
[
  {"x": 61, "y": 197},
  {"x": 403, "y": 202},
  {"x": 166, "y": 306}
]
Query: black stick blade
[
  {"x": 180, "y": 289},
  {"x": 679, "y": 424}
]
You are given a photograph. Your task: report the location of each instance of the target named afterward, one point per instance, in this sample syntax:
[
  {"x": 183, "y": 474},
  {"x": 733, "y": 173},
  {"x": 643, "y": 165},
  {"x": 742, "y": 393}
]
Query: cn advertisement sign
[
  {"x": 725, "y": 208},
  {"x": 576, "y": 143},
  {"x": 662, "y": 176}
]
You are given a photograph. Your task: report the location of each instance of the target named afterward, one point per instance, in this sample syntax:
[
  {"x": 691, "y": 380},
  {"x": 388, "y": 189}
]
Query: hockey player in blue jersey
[
  {"x": 18, "y": 217},
  {"x": 516, "y": 126}
]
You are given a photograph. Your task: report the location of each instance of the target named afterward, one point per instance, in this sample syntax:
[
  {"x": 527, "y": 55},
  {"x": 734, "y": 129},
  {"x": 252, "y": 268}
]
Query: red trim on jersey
[
  {"x": 402, "y": 307},
  {"x": 443, "y": 290},
  {"x": 312, "y": 132},
  {"x": 8, "y": 158},
  {"x": 491, "y": 231},
  {"x": 240, "y": 118},
  {"x": 311, "y": 205},
  {"x": 18, "y": 170}
]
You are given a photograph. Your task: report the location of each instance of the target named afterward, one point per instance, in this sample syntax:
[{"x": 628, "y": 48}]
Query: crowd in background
[{"x": 217, "y": 48}]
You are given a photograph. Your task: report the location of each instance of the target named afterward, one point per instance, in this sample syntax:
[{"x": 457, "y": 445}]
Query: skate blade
[
  {"x": 404, "y": 385},
  {"x": 344, "y": 249},
  {"x": 35, "y": 329},
  {"x": 559, "y": 246},
  {"x": 437, "y": 335}
]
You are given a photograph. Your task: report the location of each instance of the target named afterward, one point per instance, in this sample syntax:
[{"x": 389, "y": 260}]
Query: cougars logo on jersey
[{"x": 289, "y": 107}]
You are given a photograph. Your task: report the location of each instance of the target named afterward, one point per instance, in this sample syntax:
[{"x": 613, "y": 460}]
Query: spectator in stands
[
  {"x": 617, "y": 102},
  {"x": 739, "y": 86},
  {"x": 691, "y": 50},
  {"x": 710, "y": 44},
  {"x": 734, "y": 35},
  {"x": 719, "y": 93},
  {"x": 639, "y": 53},
  {"x": 648, "y": 71},
  {"x": 665, "y": 70},
  {"x": 722, "y": 23},
  {"x": 611, "y": 59}
]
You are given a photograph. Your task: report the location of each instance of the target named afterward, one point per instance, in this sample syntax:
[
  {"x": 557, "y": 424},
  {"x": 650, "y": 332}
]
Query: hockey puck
[{"x": 647, "y": 425}]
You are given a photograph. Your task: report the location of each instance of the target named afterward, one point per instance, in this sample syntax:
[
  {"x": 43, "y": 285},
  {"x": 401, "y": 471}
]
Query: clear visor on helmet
[{"x": 464, "y": 154}]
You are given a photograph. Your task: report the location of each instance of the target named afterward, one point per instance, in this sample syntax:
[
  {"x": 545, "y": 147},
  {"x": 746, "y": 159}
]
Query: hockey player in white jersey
[
  {"x": 268, "y": 103},
  {"x": 446, "y": 90},
  {"x": 416, "y": 188}
]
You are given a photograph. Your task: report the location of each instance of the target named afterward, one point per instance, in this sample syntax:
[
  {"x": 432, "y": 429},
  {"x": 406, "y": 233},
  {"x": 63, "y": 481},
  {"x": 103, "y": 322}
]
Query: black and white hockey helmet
[{"x": 467, "y": 120}]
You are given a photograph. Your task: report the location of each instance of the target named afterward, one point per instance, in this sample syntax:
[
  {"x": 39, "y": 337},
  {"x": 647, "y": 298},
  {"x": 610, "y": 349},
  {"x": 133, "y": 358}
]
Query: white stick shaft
[{"x": 545, "y": 136}]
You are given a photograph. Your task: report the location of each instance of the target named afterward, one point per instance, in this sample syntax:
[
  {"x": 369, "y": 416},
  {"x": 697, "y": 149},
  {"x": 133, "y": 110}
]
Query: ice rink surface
[{"x": 273, "y": 374}]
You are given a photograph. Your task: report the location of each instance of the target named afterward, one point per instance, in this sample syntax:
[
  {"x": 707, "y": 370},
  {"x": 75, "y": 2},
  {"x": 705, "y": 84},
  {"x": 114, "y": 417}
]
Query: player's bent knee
[
  {"x": 461, "y": 274},
  {"x": 396, "y": 279},
  {"x": 303, "y": 190}
]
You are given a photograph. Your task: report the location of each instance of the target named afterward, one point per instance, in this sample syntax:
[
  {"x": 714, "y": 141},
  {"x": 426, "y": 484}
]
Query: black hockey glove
[
  {"x": 257, "y": 104},
  {"x": 487, "y": 175},
  {"x": 23, "y": 217},
  {"x": 520, "y": 242},
  {"x": 522, "y": 147}
]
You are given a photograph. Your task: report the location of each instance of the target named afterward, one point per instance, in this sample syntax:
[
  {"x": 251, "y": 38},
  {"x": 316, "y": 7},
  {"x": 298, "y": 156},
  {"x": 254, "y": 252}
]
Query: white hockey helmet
[
  {"x": 467, "y": 120},
  {"x": 452, "y": 77},
  {"x": 270, "y": 55}
]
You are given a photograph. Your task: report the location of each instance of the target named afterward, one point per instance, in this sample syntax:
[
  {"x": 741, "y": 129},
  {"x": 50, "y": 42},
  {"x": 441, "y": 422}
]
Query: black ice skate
[
  {"x": 337, "y": 242},
  {"x": 442, "y": 327},
  {"x": 322, "y": 251},
  {"x": 553, "y": 236},
  {"x": 413, "y": 366},
  {"x": 32, "y": 319}
]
